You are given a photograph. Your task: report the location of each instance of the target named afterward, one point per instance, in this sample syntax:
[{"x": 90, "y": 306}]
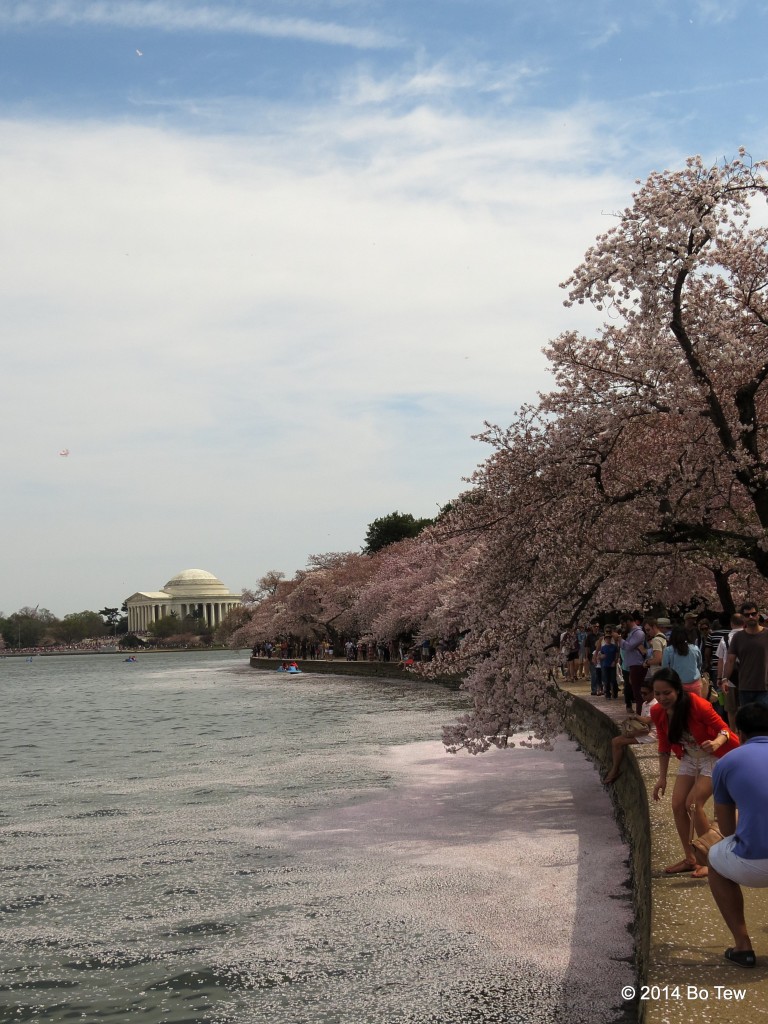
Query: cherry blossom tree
[
  {"x": 644, "y": 472},
  {"x": 412, "y": 589},
  {"x": 672, "y": 392},
  {"x": 641, "y": 476},
  {"x": 318, "y": 603}
]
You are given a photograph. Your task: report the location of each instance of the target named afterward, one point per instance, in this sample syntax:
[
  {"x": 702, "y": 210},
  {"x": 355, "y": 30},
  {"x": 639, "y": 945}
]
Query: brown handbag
[
  {"x": 633, "y": 727},
  {"x": 703, "y": 844}
]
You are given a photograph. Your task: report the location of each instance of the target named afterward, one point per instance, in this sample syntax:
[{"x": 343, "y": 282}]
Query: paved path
[{"x": 688, "y": 978}]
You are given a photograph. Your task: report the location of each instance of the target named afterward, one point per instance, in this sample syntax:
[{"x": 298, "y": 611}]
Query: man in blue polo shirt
[{"x": 740, "y": 782}]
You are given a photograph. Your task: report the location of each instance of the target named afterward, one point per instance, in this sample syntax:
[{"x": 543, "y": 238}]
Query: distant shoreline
[{"x": 126, "y": 652}]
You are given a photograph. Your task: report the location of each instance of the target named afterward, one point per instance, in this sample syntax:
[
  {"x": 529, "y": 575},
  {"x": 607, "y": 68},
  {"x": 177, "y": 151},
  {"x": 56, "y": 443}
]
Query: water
[{"x": 187, "y": 841}]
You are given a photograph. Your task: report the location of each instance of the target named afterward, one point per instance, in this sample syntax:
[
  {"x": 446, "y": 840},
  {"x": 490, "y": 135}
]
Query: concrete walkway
[{"x": 688, "y": 979}]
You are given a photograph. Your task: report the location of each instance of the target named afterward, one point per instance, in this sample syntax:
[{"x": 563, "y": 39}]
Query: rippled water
[{"x": 186, "y": 840}]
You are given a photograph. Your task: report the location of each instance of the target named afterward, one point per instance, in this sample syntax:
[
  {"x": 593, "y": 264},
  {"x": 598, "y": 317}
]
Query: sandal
[
  {"x": 742, "y": 957},
  {"x": 679, "y": 868},
  {"x": 700, "y": 871}
]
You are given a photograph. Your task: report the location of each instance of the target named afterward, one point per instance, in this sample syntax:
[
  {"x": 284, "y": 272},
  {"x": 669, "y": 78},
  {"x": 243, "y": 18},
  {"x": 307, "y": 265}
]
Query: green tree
[
  {"x": 28, "y": 627},
  {"x": 172, "y": 625},
  {"x": 114, "y": 620},
  {"x": 131, "y": 641},
  {"x": 79, "y": 626},
  {"x": 392, "y": 528},
  {"x": 232, "y": 621},
  {"x": 168, "y": 625}
]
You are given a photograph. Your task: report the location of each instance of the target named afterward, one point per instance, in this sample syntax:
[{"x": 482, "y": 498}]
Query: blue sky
[{"x": 268, "y": 266}]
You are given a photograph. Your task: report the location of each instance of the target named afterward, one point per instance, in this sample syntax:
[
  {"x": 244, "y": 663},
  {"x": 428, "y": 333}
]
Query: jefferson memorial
[{"x": 193, "y": 591}]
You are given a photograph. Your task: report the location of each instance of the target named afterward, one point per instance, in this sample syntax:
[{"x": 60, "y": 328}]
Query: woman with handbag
[{"x": 688, "y": 727}]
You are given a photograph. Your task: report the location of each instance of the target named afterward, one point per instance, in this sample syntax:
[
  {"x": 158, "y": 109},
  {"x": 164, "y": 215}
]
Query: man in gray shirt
[{"x": 749, "y": 647}]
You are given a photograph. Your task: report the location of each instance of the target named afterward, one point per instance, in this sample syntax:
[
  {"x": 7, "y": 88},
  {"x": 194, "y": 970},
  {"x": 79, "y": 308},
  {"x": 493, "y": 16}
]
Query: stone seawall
[
  {"x": 680, "y": 950},
  {"x": 593, "y": 731},
  {"x": 337, "y": 667}
]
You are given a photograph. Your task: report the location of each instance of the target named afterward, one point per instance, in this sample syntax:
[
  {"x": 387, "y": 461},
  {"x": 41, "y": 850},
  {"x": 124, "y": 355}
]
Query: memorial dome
[
  {"x": 192, "y": 592},
  {"x": 194, "y": 583}
]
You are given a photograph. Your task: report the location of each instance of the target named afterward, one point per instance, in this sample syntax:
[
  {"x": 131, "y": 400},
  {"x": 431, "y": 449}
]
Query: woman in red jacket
[{"x": 688, "y": 726}]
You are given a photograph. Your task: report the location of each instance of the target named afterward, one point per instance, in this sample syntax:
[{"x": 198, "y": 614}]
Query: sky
[{"x": 267, "y": 267}]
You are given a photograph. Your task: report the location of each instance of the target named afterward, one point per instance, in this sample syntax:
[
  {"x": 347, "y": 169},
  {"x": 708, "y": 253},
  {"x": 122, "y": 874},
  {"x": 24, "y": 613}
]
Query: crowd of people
[
  {"x": 364, "y": 649},
  {"x": 312, "y": 650},
  {"x": 107, "y": 644},
  {"x": 700, "y": 693}
]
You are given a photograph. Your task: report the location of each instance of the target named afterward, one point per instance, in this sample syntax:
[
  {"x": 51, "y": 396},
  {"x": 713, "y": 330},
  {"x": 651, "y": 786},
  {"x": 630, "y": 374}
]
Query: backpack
[
  {"x": 734, "y": 678},
  {"x": 653, "y": 669}
]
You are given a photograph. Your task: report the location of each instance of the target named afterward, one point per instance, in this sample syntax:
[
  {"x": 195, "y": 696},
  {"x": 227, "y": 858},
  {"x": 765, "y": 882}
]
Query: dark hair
[
  {"x": 636, "y": 616},
  {"x": 679, "y": 718},
  {"x": 746, "y": 605},
  {"x": 678, "y": 639},
  {"x": 752, "y": 720}
]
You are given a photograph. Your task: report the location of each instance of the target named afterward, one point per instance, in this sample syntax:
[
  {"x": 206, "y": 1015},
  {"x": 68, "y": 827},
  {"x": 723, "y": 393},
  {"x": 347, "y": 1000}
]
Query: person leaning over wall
[{"x": 687, "y": 726}]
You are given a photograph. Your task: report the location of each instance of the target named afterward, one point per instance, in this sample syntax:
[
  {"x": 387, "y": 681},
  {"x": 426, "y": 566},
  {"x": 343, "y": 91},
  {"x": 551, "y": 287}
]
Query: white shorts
[
  {"x": 752, "y": 873},
  {"x": 696, "y": 764}
]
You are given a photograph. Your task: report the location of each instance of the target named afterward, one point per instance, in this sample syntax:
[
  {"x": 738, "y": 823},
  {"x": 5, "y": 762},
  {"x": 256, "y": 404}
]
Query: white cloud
[
  {"x": 175, "y": 17},
  {"x": 252, "y": 346},
  {"x": 442, "y": 80},
  {"x": 604, "y": 35},
  {"x": 716, "y": 12}
]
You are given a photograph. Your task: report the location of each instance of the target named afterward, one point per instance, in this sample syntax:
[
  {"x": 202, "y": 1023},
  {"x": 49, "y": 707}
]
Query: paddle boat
[{"x": 290, "y": 667}]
